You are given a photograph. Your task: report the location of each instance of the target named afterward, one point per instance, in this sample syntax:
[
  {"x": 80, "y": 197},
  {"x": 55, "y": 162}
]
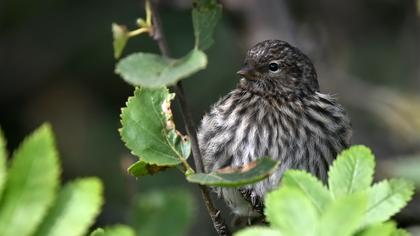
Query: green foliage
[
  {"x": 141, "y": 168},
  {"x": 313, "y": 188},
  {"x": 117, "y": 230},
  {"x": 74, "y": 209},
  {"x": 343, "y": 216},
  {"x": 98, "y": 232},
  {"x": 386, "y": 199},
  {"x": 148, "y": 129},
  {"x": 232, "y": 177},
  {"x": 120, "y": 34},
  {"x": 260, "y": 231},
  {"x": 284, "y": 209},
  {"x": 147, "y": 126},
  {"x": 167, "y": 212},
  {"x": 350, "y": 206},
  {"x": 153, "y": 71},
  {"x": 205, "y": 15},
  {"x": 29, "y": 205},
  {"x": 353, "y": 172},
  {"x": 149, "y": 132},
  {"x": 3, "y": 159},
  {"x": 385, "y": 229},
  {"x": 31, "y": 184}
]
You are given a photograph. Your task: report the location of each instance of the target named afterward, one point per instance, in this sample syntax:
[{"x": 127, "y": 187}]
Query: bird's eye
[{"x": 273, "y": 66}]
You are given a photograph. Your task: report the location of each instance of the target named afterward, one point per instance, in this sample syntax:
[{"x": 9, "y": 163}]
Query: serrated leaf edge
[{"x": 167, "y": 98}]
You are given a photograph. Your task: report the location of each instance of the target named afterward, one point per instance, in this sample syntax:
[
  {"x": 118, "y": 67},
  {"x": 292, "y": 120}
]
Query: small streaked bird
[{"x": 277, "y": 110}]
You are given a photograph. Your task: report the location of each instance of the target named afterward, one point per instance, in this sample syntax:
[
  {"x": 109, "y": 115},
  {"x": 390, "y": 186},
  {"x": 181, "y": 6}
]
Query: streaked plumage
[{"x": 277, "y": 113}]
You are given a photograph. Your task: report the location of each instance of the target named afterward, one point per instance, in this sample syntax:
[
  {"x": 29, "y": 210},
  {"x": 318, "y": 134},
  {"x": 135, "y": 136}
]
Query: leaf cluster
[
  {"x": 31, "y": 200},
  {"x": 151, "y": 70},
  {"x": 148, "y": 129},
  {"x": 349, "y": 205},
  {"x": 32, "y": 203},
  {"x": 157, "y": 212}
]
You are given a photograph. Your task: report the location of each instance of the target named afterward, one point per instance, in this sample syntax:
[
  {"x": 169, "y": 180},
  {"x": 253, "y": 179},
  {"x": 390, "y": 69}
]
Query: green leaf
[
  {"x": 352, "y": 171},
  {"x": 313, "y": 189},
  {"x": 205, "y": 15},
  {"x": 148, "y": 130},
  {"x": 117, "y": 230},
  {"x": 3, "y": 161},
  {"x": 386, "y": 199},
  {"x": 154, "y": 71},
  {"x": 31, "y": 183},
  {"x": 120, "y": 35},
  {"x": 400, "y": 232},
  {"x": 258, "y": 231},
  {"x": 343, "y": 216},
  {"x": 98, "y": 232},
  {"x": 233, "y": 177},
  {"x": 141, "y": 168},
  {"x": 168, "y": 212},
  {"x": 384, "y": 229},
  {"x": 288, "y": 210},
  {"x": 74, "y": 210}
]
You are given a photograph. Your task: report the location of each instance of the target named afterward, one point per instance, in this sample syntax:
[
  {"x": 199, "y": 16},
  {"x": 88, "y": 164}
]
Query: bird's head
[{"x": 274, "y": 66}]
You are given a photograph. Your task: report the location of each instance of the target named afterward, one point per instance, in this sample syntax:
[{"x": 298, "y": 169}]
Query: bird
[{"x": 276, "y": 110}]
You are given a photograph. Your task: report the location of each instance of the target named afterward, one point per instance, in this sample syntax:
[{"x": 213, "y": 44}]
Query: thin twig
[
  {"x": 190, "y": 126},
  {"x": 214, "y": 213}
]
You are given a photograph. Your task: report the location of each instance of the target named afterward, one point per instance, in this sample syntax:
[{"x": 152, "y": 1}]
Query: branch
[
  {"x": 190, "y": 126},
  {"x": 214, "y": 213}
]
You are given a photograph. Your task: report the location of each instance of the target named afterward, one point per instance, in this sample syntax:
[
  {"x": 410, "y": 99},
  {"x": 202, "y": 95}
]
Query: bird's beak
[{"x": 247, "y": 72}]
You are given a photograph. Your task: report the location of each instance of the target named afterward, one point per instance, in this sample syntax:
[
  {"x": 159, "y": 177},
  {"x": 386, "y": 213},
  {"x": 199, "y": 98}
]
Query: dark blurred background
[{"x": 56, "y": 65}]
